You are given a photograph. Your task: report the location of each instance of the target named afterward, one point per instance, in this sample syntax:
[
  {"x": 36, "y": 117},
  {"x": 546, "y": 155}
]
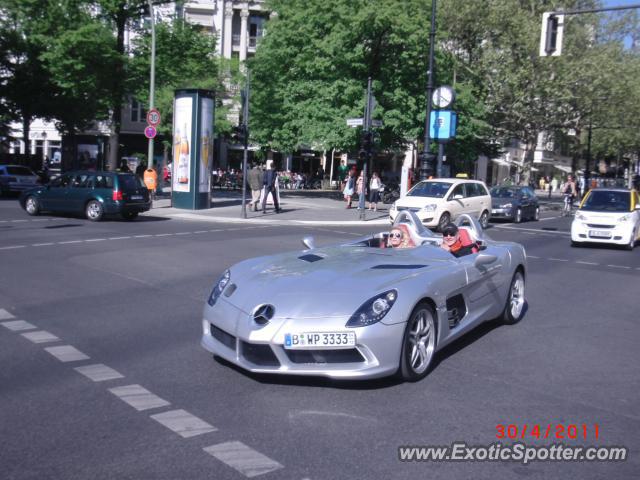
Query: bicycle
[{"x": 568, "y": 205}]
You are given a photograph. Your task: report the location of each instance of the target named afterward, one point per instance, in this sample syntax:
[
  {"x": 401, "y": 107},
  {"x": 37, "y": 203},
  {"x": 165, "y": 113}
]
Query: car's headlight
[
  {"x": 431, "y": 207},
  {"x": 625, "y": 218},
  {"x": 373, "y": 310},
  {"x": 580, "y": 216},
  {"x": 219, "y": 287},
  {"x": 507, "y": 205}
]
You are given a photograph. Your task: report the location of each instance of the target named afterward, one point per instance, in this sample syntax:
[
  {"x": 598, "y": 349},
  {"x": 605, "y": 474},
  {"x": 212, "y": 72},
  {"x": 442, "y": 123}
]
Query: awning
[{"x": 564, "y": 168}]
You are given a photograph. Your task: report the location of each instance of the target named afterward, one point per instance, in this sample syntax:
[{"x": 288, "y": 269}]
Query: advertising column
[{"x": 192, "y": 149}]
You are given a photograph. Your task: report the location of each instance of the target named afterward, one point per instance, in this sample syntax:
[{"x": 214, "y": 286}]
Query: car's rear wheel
[
  {"x": 129, "y": 215},
  {"x": 445, "y": 218},
  {"x": 632, "y": 242},
  {"x": 518, "y": 216},
  {"x": 484, "y": 219},
  {"x": 514, "y": 307},
  {"x": 94, "y": 210},
  {"x": 32, "y": 206},
  {"x": 418, "y": 344}
]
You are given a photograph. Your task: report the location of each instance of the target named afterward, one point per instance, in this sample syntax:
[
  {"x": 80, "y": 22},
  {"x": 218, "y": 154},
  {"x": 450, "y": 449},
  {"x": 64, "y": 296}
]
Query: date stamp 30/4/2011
[{"x": 553, "y": 431}]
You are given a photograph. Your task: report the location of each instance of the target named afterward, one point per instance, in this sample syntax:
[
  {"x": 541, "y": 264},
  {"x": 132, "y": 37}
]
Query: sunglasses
[
  {"x": 449, "y": 234},
  {"x": 395, "y": 235}
]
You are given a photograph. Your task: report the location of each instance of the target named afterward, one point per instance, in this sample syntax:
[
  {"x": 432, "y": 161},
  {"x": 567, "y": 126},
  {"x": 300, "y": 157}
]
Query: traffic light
[
  {"x": 240, "y": 134},
  {"x": 551, "y": 34}
]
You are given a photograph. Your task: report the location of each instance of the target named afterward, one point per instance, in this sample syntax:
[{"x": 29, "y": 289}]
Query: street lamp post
[
  {"x": 152, "y": 82},
  {"x": 426, "y": 165}
]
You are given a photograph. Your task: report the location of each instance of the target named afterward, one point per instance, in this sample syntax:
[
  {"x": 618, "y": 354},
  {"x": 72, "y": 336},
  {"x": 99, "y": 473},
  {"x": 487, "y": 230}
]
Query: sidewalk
[{"x": 299, "y": 207}]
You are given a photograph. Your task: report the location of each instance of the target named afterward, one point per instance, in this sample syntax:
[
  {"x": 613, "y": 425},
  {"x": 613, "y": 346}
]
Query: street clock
[{"x": 443, "y": 96}]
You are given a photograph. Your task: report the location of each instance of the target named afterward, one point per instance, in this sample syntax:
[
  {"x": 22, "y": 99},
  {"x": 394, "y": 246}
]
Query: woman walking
[
  {"x": 374, "y": 192},
  {"x": 348, "y": 188}
]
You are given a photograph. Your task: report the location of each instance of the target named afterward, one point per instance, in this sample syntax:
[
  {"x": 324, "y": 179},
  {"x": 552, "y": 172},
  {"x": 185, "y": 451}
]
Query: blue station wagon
[{"x": 93, "y": 193}]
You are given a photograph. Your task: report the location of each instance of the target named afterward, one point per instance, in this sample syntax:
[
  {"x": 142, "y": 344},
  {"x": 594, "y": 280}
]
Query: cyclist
[{"x": 570, "y": 193}]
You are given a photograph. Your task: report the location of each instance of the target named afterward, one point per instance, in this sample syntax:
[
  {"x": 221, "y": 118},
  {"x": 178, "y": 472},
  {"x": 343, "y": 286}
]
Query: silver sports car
[{"x": 357, "y": 310}]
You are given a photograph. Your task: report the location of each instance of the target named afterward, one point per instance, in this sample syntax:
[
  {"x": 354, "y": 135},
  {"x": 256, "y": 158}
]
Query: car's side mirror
[
  {"x": 484, "y": 259},
  {"x": 457, "y": 197},
  {"x": 309, "y": 242}
]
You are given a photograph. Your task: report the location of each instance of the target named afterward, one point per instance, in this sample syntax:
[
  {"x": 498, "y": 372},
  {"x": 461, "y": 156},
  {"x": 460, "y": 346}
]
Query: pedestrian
[
  {"x": 124, "y": 166},
  {"x": 140, "y": 169},
  {"x": 349, "y": 185},
  {"x": 151, "y": 181},
  {"x": 374, "y": 192},
  {"x": 270, "y": 181},
  {"x": 360, "y": 188},
  {"x": 255, "y": 179}
]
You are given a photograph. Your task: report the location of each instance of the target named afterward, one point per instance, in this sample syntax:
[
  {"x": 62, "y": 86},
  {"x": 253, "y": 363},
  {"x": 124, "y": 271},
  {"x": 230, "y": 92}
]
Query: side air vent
[
  {"x": 310, "y": 257},
  {"x": 398, "y": 267},
  {"x": 456, "y": 310},
  {"x": 230, "y": 289}
]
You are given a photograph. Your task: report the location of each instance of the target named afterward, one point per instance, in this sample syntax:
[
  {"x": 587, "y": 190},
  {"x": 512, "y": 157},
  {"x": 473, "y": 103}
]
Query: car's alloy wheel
[
  {"x": 514, "y": 308},
  {"x": 484, "y": 219},
  {"x": 94, "y": 210},
  {"x": 518, "y": 217},
  {"x": 632, "y": 242},
  {"x": 536, "y": 215},
  {"x": 419, "y": 343},
  {"x": 444, "y": 220},
  {"x": 31, "y": 206}
]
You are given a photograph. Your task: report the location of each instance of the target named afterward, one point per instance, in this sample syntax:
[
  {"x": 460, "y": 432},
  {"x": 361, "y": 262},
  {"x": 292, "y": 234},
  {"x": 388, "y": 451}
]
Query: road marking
[
  {"x": 138, "y": 397},
  {"x": 244, "y": 459},
  {"x": 557, "y": 259},
  {"x": 118, "y": 238},
  {"x": 4, "y": 315},
  {"x": 619, "y": 266},
  {"x": 12, "y": 247},
  {"x": 548, "y": 218},
  {"x": 42, "y": 244},
  {"x": 532, "y": 256},
  {"x": 70, "y": 241},
  {"x": 99, "y": 372},
  {"x": 40, "y": 336},
  {"x": 67, "y": 353},
  {"x": 19, "y": 221},
  {"x": 142, "y": 236},
  {"x": 183, "y": 423},
  {"x": 586, "y": 263},
  {"x": 184, "y": 233},
  {"x": 163, "y": 234},
  {"x": 96, "y": 240},
  {"x": 18, "y": 325},
  {"x": 201, "y": 231}
]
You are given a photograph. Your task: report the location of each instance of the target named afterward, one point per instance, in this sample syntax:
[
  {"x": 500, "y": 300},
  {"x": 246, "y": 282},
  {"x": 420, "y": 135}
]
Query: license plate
[
  {"x": 494, "y": 211},
  {"x": 136, "y": 197},
  {"x": 599, "y": 233},
  {"x": 323, "y": 340}
]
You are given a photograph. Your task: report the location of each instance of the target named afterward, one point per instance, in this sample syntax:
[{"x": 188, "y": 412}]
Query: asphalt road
[{"x": 118, "y": 304}]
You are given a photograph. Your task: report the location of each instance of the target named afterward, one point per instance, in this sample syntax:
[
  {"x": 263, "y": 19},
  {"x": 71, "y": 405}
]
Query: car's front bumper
[
  {"x": 113, "y": 207},
  {"x": 618, "y": 233},
  {"x": 231, "y": 334},
  {"x": 497, "y": 213}
]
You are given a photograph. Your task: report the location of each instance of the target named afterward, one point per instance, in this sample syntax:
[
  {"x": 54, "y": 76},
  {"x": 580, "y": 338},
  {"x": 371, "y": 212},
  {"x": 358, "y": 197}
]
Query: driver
[{"x": 454, "y": 244}]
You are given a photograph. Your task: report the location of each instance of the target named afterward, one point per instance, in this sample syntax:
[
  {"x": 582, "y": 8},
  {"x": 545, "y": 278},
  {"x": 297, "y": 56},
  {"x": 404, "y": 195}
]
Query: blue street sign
[{"x": 442, "y": 124}]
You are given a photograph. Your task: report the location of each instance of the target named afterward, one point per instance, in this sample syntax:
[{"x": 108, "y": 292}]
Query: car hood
[
  {"x": 499, "y": 201},
  {"x": 331, "y": 281},
  {"x": 418, "y": 202},
  {"x": 602, "y": 217}
]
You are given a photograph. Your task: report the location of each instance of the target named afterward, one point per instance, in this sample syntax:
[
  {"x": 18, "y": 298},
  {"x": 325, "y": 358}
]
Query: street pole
[
  {"x": 245, "y": 137},
  {"x": 587, "y": 168},
  {"x": 367, "y": 158},
  {"x": 152, "y": 82},
  {"x": 426, "y": 166}
]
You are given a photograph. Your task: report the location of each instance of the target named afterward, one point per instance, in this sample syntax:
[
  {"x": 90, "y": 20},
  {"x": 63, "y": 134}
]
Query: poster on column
[
  {"x": 206, "y": 143},
  {"x": 182, "y": 112}
]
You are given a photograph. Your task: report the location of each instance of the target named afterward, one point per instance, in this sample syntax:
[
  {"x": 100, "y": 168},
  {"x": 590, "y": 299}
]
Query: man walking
[
  {"x": 269, "y": 182},
  {"x": 255, "y": 179}
]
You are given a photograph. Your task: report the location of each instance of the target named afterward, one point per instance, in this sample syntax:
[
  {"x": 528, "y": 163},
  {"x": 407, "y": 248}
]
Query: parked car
[
  {"x": 607, "y": 215},
  {"x": 391, "y": 309},
  {"x": 514, "y": 203},
  {"x": 437, "y": 202},
  {"x": 16, "y": 178},
  {"x": 93, "y": 193}
]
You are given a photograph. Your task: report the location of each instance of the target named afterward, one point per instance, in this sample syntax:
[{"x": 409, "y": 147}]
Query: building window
[
  {"x": 16, "y": 147},
  {"x": 138, "y": 112}
]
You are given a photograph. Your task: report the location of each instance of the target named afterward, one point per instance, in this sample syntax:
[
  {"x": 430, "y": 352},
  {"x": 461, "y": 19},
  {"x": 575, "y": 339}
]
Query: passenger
[
  {"x": 399, "y": 237},
  {"x": 453, "y": 242}
]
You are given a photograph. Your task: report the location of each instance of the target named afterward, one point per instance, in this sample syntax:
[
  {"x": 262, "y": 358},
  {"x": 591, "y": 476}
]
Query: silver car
[
  {"x": 16, "y": 178},
  {"x": 356, "y": 310}
]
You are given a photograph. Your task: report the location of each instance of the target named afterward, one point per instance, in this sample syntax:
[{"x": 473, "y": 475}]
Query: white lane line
[
  {"x": 557, "y": 259},
  {"x": 41, "y": 336},
  {"x": 183, "y": 423},
  {"x": 163, "y": 234},
  {"x": 217, "y": 230},
  {"x": 4, "y": 315},
  {"x": 19, "y": 221},
  {"x": 586, "y": 263},
  {"x": 142, "y": 236},
  {"x": 12, "y": 247},
  {"x": 96, "y": 240},
  {"x": 548, "y": 218},
  {"x": 42, "y": 244},
  {"x": 18, "y": 325},
  {"x": 530, "y": 233},
  {"x": 244, "y": 459},
  {"x": 67, "y": 353},
  {"x": 99, "y": 372},
  {"x": 184, "y": 233},
  {"x": 69, "y": 241},
  {"x": 532, "y": 256},
  {"x": 138, "y": 397},
  {"x": 118, "y": 238},
  {"x": 201, "y": 231},
  {"x": 619, "y": 266}
]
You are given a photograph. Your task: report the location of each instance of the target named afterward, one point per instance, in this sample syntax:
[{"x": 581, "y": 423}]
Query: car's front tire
[
  {"x": 536, "y": 214},
  {"x": 484, "y": 220},
  {"x": 32, "y": 206},
  {"x": 418, "y": 343},
  {"x": 518, "y": 216},
  {"x": 514, "y": 308},
  {"x": 445, "y": 218},
  {"x": 632, "y": 242},
  {"x": 94, "y": 211}
]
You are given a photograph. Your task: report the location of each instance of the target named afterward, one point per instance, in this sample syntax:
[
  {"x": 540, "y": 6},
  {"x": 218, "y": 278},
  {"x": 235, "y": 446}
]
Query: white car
[
  {"x": 437, "y": 202},
  {"x": 16, "y": 178},
  {"x": 607, "y": 215}
]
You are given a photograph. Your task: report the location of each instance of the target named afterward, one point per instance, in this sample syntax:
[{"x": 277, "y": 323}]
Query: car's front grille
[
  {"x": 411, "y": 209},
  {"x": 350, "y": 355},
  {"x": 597, "y": 225},
  {"x": 260, "y": 355},
  {"x": 223, "y": 337}
]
